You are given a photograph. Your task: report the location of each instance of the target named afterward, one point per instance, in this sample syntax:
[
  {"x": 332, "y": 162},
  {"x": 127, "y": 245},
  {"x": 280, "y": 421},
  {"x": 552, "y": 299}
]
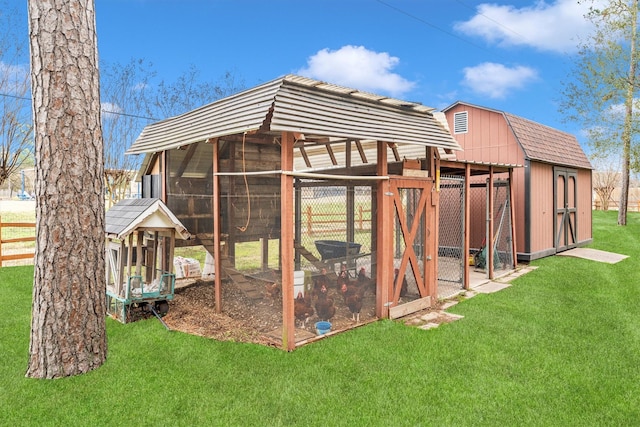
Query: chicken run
[{"x": 346, "y": 302}]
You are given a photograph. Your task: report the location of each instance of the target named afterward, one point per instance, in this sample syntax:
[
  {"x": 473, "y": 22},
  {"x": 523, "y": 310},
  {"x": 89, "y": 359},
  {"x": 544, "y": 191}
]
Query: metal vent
[{"x": 460, "y": 122}]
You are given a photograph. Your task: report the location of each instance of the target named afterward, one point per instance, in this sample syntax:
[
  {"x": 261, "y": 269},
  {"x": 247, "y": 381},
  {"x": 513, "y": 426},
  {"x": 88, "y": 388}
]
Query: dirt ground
[
  {"x": 247, "y": 320},
  {"x": 192, "y": 310}
]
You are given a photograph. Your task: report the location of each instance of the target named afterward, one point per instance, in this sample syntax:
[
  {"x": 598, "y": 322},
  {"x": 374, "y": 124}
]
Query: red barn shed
[{"x": 552, "y": 190}]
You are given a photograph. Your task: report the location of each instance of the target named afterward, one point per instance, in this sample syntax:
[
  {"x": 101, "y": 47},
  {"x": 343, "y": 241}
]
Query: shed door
[{"x": 565, "y": 209}]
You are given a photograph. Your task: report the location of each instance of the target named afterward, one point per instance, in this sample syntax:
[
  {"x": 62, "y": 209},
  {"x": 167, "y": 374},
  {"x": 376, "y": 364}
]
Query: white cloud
[
  {"x": 496, "y": 80},
  {"x": 359, "y": 68},
  {"x": 556, "y": 26},
  {"x": 14, "y": 79},
  {"x": 110, "y": 110}
]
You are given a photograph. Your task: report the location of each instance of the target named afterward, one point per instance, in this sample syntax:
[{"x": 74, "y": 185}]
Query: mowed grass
[{"x": 561, "y": 347}]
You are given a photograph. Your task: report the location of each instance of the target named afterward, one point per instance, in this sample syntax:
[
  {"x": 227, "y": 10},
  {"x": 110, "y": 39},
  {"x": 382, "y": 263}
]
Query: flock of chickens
[
  {"x": 352, "y": 292},
  {"x": 320, "y": 301}
]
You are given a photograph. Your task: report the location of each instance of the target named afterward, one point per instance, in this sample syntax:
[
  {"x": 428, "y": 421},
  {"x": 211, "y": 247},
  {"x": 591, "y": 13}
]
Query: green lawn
[{"x": 561, "y": 347}]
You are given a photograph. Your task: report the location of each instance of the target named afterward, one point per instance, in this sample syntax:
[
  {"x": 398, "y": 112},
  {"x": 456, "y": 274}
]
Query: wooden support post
[
  {"x": 350, "y": 197},
  {"x": 298, "y": 219},
  {"x": 139, "y": 241},
  {"x": 172, "y": 246},
  {"x": 129, "y": 254},
  {"x": 466, "y": 223},
  {"x": 384, "y": 234},
  {"x": 264, "y": 253},
  {"x": 286, "y": 241},
  {"x": 216, "y": 229},
  {"x": 490, "y": 239},
  {"x": 120, "y": 277},
  {"x": 431, "y": 234},
  {"x": 155, "y": 256},
  {"x": 514, "y": 246}
]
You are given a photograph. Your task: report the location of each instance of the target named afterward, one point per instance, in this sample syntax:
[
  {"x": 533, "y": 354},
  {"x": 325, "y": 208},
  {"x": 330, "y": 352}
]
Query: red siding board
[{"x": 498, "y": 137}]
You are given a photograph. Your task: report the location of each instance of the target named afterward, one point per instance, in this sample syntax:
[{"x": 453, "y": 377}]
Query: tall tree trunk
[
  {"x": 628, "y": 116},
  {"x": 68, "y": 314}
]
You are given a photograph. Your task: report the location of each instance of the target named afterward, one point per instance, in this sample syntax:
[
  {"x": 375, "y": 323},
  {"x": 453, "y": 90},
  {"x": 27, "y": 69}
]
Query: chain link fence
[
  {"x": 334, "y": 223},
  {"x": 451, "y": 256}
]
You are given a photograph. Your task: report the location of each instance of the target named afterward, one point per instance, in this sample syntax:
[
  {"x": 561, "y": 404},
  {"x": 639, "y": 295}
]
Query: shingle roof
[
  {"x": 125, "y": 215},
  {"x": 546, "y": 144}
]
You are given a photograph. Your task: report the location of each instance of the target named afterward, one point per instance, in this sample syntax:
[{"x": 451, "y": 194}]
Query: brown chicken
[
  {"x": 272, "y": 291},
  {"x": 367, "y": 282},
  {"x": 405, "y": 286},
  {"x": 302, "y": 309},
  {"x": 353, "y": 295},
  {"x": 324, "y": 305},
  {"x": 320, "y": 281}
]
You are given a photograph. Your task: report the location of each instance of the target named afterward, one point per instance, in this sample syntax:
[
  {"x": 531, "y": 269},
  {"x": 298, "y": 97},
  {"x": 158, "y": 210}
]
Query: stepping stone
[
  {"x": 430, "y": 325},
  {"x": 432, "y": 315},
  {"x": 491, "y": 287},
  {"x": 449, "y": 304}
]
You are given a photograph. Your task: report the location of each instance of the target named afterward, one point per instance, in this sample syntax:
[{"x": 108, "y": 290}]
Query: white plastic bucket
[{"x": 298, "y": 282}]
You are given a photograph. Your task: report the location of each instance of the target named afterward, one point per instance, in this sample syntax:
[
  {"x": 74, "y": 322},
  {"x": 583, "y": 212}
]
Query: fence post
[
  {"x": 360, "y": 217},
  {"x": 309, "y": 222},
  {"x": 0, "y": 241}
]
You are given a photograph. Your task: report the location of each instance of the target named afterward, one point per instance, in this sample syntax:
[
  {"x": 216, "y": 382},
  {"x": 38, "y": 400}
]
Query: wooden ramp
[
  {"x": 315, "y": 261},
  {"x": 248, "y": 288}
]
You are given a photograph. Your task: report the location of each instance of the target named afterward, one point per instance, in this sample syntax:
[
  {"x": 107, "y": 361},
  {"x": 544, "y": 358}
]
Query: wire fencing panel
[
  {"x": 502, "y": 244},
  {"x": 451, "y": 256},
  {"x": 334, "y": 213}
]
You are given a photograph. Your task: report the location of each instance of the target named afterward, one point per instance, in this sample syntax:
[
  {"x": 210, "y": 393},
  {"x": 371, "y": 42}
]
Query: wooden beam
[
  {"x": 467, "y": 223},
  {"x": 363, "y": 155},
  {"x": 286, "y": 241},
  {"x": 216, "y": 229},
  {"x": 384, "y": 234},
  {"x": 514, "y": 246},
  {"x": 331, "y": 154},
  {"x": 490, "y": 226},
  {"x": 185, "y": 162},
  {"x": 305, "y": 157}
]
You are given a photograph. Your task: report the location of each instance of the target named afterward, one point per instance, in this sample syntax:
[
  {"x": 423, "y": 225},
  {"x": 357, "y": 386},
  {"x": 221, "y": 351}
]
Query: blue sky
[{"x": 506, "y": 55}]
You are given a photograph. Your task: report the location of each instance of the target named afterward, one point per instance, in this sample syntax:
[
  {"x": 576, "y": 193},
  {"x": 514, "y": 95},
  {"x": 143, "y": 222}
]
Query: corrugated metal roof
[
  {"x": 123, "y": 217},
  {"x": 300, "y": 104}
]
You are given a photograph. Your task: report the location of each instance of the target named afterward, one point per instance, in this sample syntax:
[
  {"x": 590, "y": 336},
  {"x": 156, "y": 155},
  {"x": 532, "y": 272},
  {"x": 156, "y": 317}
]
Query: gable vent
[{"x": 460, "y": 122}]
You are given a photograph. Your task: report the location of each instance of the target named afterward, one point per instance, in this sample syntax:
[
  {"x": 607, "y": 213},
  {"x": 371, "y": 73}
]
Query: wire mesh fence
[
  {"x": 451, "y": 256},
  {"x": 334, "y": 223}
]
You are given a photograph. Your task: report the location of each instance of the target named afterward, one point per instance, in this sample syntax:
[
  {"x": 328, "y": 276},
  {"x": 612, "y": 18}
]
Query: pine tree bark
[{"x": 68, "y": 313}]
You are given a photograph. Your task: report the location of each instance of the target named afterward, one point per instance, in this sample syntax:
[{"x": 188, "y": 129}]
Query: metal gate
[{"x": 451, "y": 257}]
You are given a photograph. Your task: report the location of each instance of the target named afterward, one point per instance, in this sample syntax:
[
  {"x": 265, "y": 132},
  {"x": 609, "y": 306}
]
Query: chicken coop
[
  {"x": 318, "y": 203},
  {"x": 140, "y": 239}
]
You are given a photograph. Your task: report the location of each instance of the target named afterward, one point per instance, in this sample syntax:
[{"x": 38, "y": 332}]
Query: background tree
[
  {"x": 16, "y": 137},
  {"x": 68, "y": 315},
  {"x": 189, "y": 92},
  {"x": 602, "y": 92},
  {"x": 125, "y": 94},
  {"x": 132, "y": 99},
  {"x": 606, "y": 178}
]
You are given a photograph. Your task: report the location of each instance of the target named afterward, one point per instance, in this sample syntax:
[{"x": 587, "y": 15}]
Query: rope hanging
[{"x": 246, "y": 186}]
